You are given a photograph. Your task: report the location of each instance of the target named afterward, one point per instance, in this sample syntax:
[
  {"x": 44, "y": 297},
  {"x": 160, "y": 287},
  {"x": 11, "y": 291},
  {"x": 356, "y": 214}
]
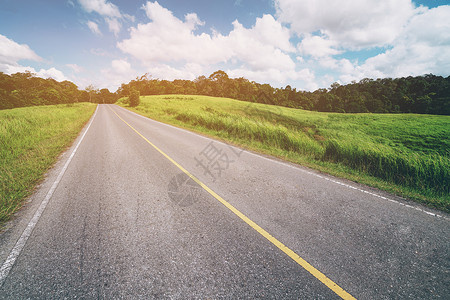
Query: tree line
[
  {"x": 428, "y": 94},
  {"x": 26, "y": 89}
]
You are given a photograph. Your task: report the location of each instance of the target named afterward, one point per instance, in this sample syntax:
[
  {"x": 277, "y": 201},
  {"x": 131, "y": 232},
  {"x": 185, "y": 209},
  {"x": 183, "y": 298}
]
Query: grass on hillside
[
  {"x": 31, "y": 139},
  {"x": 406, "y": 154}
]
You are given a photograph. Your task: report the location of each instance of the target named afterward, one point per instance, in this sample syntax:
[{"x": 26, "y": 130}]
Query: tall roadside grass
[
  {"x": 31, "y": 139},
  {"x": 405, "y": 153}
]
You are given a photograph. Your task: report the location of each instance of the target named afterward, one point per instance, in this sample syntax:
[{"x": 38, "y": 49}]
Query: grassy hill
[
  {"x": 406, "y": 154},
  {"x": 31, "y": 139}
]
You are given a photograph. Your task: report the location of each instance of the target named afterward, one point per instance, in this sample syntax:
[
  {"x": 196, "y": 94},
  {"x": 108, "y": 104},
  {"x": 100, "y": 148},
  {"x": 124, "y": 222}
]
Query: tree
[
  {"x": 219, "y": 81},
  {"x": 92, "y": 91},
  {"x": 325, "y": 102},
  {"x": 133, "y": 98},
  {"x": 70, "y": 91},
  {"x": 105, "y": 96},
  {"x": 49, "y": 95}
]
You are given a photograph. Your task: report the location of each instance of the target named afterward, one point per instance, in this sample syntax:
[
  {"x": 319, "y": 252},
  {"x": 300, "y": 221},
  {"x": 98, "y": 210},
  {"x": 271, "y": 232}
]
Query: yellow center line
[{"x": 303, "y": 263}]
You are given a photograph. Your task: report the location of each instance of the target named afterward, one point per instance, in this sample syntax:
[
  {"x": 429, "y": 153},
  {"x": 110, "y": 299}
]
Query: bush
[{"x": 133, "y": 99}]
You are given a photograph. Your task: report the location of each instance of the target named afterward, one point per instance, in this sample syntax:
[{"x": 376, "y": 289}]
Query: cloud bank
[
  {"x": 11, "y": 53},
  {"x": 166, "y": 42},
  {"x": 413, "y": 40},
  {"x": 307, "y": 44},
  {"x": 110, "y": 13},
  {"x": 303, "y": 41}
]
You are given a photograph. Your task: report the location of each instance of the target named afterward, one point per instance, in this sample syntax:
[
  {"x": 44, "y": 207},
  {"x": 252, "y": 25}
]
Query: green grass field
[
  {"x": 31, "y": 139},
  {"x": 405, "y": 154}
]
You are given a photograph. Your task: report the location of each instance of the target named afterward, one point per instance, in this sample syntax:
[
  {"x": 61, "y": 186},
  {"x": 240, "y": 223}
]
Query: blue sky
[{"x": 307, "y": 44}]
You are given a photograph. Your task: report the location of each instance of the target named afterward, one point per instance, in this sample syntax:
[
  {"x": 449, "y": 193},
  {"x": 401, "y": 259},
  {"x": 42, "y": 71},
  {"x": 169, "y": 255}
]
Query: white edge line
[
  {"x": 20, "y": 244},
  {"x": 295, "y": 167}
]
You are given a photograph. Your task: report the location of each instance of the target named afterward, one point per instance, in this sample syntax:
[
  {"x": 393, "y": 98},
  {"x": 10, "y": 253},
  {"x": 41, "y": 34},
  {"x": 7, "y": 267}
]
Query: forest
[
  {"x": 26, "y": 89},
  {"x": 427, "y": 94}
]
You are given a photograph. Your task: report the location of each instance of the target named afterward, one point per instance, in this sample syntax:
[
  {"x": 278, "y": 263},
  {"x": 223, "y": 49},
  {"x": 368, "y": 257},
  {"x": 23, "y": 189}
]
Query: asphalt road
[{"x": 125, "y": 222}]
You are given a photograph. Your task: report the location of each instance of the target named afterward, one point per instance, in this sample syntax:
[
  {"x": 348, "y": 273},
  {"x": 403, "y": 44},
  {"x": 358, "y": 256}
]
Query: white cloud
[
  {"x": 167, "y": 40},
  {"x": 43, "y": 73},
  {"x": 94, "y": 27},
  {"x": 264, "y": 46},
  {"x": 189, "y": 71},
  {"x": 119, "y": 72},
  {"x": 12, "y": 52},
  {"x": 129, "y": 17},
  {"x": 305, "y": 77},
  {"x": 11, "y": 69},
  {"x": 317, "y": 46},
  {"x": 414, "y": 41},
  {"x": 51, "y": 73},
  {"x": 113, "y": 25},
  {"x": 422, "y": 48},
  {"x": 193, "y": 21},
  {"x": 99, "y": 52},
  {"x": 101, "y": 7},
  {"x": 268, "y": 31},
  {"x": 76, "y": 68},
  {"x": 121, "y": 66},
  {"x": 109, "y": 11},
  {"x": 352, "y": 23}
]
